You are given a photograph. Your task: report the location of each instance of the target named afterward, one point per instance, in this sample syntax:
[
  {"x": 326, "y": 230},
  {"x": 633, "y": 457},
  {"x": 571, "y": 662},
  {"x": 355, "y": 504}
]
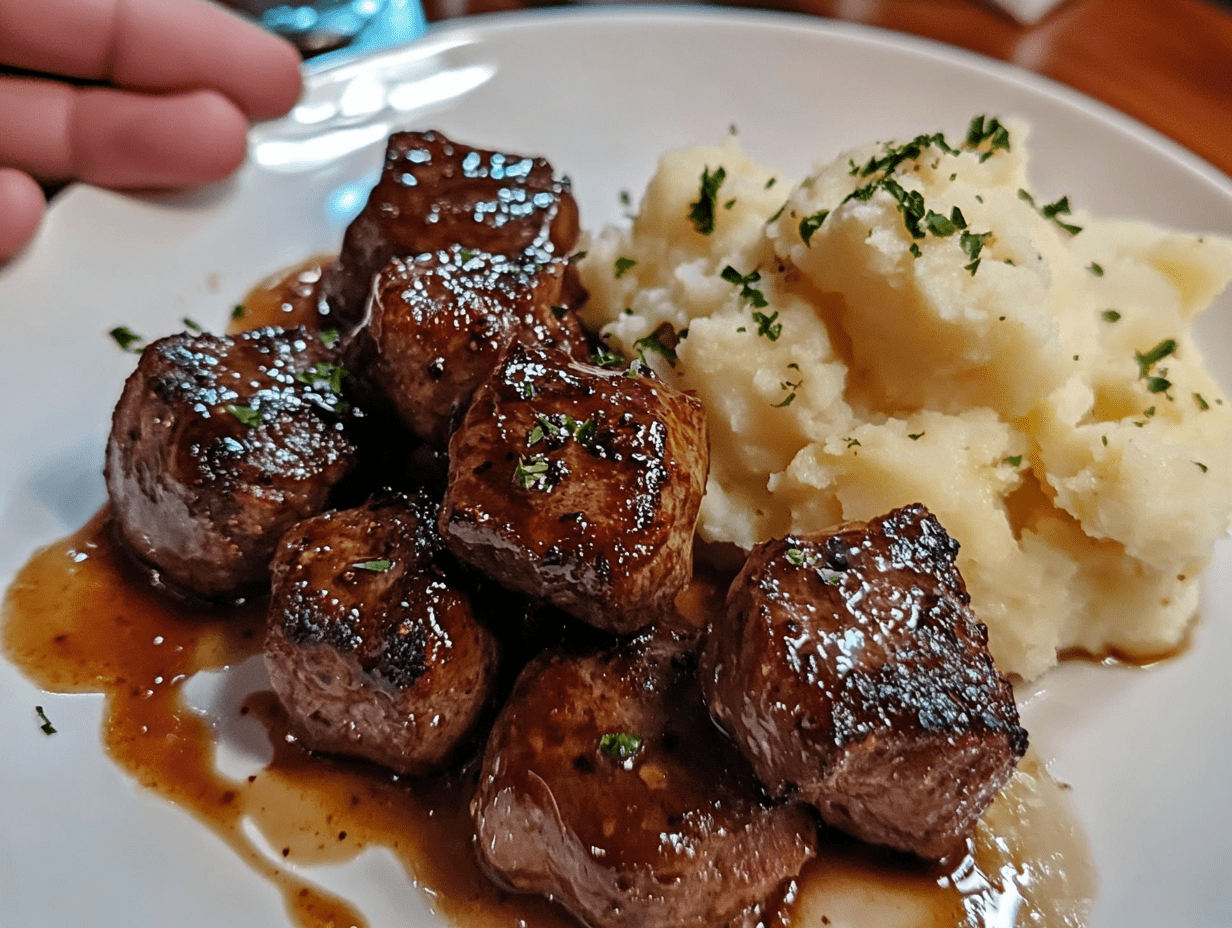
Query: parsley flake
[
  {"x": 1202, "y": 467},
  {"x": 246, "y": 414},
  {"x": 750, "y": 294},
  {"x": 767, "y": 326},
  {"x": 701, "y": 213},
  {"x": 1013, "y": 461},
  {"x": 620, "y": 745},
  {"x": 787, "y": 402},
  {"x": 916, "y": 436},
  {"x": 324, "y": 375},
  {"x": 607, "y": 359},
  {"x": 191, "y": 325},
  {"x": 661, "y": 341},
  {"x": 810, "y": 224},
  {"x": 1202, "y": 403},
  {"x": 1110, "y": 315},
  {"x": 1149, "y": 359},
  {"x": 238, "y": 312},
  {"x": 1095, "y": 269},
  {"x": 47, "y": 727},
  {"x": 378, "y": 565},
  {"x": 531, "y": 473},
  {"x": 329, "y": 337},
  {"x": 126, "y": 338},
  {"x": 623, "y": 265}
]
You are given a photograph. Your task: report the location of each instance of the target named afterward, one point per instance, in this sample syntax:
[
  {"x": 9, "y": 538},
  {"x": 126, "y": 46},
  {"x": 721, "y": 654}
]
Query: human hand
[{"x": 182, "y": 79}]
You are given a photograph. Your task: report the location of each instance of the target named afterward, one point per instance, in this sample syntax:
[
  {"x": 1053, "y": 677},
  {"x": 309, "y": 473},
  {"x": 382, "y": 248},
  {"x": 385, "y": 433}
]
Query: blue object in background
[{"x": 328, "y": 27}]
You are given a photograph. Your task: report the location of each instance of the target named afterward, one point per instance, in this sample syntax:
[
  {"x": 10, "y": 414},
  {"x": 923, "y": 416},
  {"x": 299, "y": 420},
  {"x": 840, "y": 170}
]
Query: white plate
[{"x": 601, "y": 93}]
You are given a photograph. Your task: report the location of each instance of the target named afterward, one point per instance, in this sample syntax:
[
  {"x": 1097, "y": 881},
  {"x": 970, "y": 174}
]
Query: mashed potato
[{"x": 909, "y": 323}]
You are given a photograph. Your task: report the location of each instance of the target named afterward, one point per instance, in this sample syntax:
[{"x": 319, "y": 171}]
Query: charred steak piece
[
  {"x": 437, "y": 323},
  {"x": 851, "y": 670},
  {"x": 434, "y": 193},
  {"x": 578, "y": 485},
  {"x": 606, "y": 786},
  {"x": 372, "y": 644},
  {"x": 218, "y": 445}
]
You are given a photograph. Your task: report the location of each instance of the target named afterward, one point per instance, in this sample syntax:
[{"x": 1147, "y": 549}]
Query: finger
[
  {"x": 115, "y": 138},
  {"x": 154, "y": 45},
  {"x": 21, "y": 210}
]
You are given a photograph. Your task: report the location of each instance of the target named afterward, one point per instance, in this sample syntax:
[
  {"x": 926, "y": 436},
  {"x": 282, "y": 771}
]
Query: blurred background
[{"x": 1167, "y": 63}]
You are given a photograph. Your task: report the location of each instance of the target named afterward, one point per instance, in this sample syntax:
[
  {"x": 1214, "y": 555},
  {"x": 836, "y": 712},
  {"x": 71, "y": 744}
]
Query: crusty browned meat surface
[
  {"x": 677, "y": 833},
  {"x": 434, "y": 193},
  {"x": 578, "y": 485},
  {"x": 372, "y": 644},
  {"x": 852, "y": 672},
  {"x": 218, "y": 445},
  {"x": 437, "y": 323}
]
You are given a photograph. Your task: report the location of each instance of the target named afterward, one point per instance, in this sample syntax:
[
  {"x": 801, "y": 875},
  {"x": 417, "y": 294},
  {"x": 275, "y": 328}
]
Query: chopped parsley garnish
[
  {"x": 607, "y": 359},
  {"x": 1052, "y": 211},
  {"x": 238, "y": 312},
  {"x": 191, "y": 326},
  {"x": 47, "y": 727},
  {"x": 1013, "y": 461},
  {"x": 852, "y": 442},
  {"x": 126, "y": 338},
  {"x": 1149, "y": 359},
  {"x": 730, "y": 203},
  {"x": 916, "y": 436},
  {"x": 786, "y": 402},
  {"x": 1202, "y": 403},
  {"x": 654, "y": 342},
  {"x": 1095, "y": 269},
  {"x": 324, "y": 374},
  {"x": 559, "y": 311},
  {"x": 1110, "y": 315},
  {"x": 810, "y": 224},
  {"x": 625, "y": 198},
  {"x": 1158, "y": 384},
  {"x": 701, "y": 213},
  {"x": 1202, "y": 467},
  {"x": 798, "y": 558},
  {"x": 466, "y": 254},
  {"x": 623, "y": 265},
  {"x": 767, "y": 326},
  {"x": 1060, "y": 208},
  {"x": 329, "y": 337},
  {"x": 778, "y": 214},
  {"x": 984, "y": 129},
  {"x": 972, "y": 244},
  {"x": 379, "y": 565},
  {"x": 915, "y": 250},
  {"x": 532, "y": 472},
  {"x": 750, "y": 294},
  {"x": 246, "y": 414},
  {"x": 620, "y": 745}
]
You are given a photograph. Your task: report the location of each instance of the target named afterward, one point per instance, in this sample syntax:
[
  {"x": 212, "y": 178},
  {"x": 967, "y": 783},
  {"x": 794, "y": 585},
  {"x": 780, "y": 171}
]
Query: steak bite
[
  {"x": 434, "y": 193},
  {"x": 578, "y": 485},
  {"x": 218, "y": 445},
  {"x": 606, "y": 787},
  {"x": 852, "y": 672},
  {"x": 372, "y": 644},
  {"x": 437, "y": 323}
]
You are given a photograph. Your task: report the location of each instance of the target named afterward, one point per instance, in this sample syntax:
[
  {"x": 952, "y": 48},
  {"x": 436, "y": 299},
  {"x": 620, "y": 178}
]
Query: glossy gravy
[{"x": 80, "y": 617}]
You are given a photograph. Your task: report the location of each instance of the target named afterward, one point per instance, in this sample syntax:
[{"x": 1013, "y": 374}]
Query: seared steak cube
[
  {"x": 434, "y": 193},
  {"x": 578, "y": 485},
  {"x": 851, "y": 670},
  {"x": 437, "y": 323},
  {"x": 606, "y": 786},
  {"x": 372, "y": 644},
  {"x": 218, "y": 445}
]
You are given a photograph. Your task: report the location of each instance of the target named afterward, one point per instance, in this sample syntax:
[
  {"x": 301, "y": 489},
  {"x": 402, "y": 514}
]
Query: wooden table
[{"x": 1167, "y": 63}]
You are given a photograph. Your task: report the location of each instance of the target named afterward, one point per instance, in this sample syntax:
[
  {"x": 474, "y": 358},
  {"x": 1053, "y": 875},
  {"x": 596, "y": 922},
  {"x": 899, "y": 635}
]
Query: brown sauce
[{"x": 80, "y": 618}]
